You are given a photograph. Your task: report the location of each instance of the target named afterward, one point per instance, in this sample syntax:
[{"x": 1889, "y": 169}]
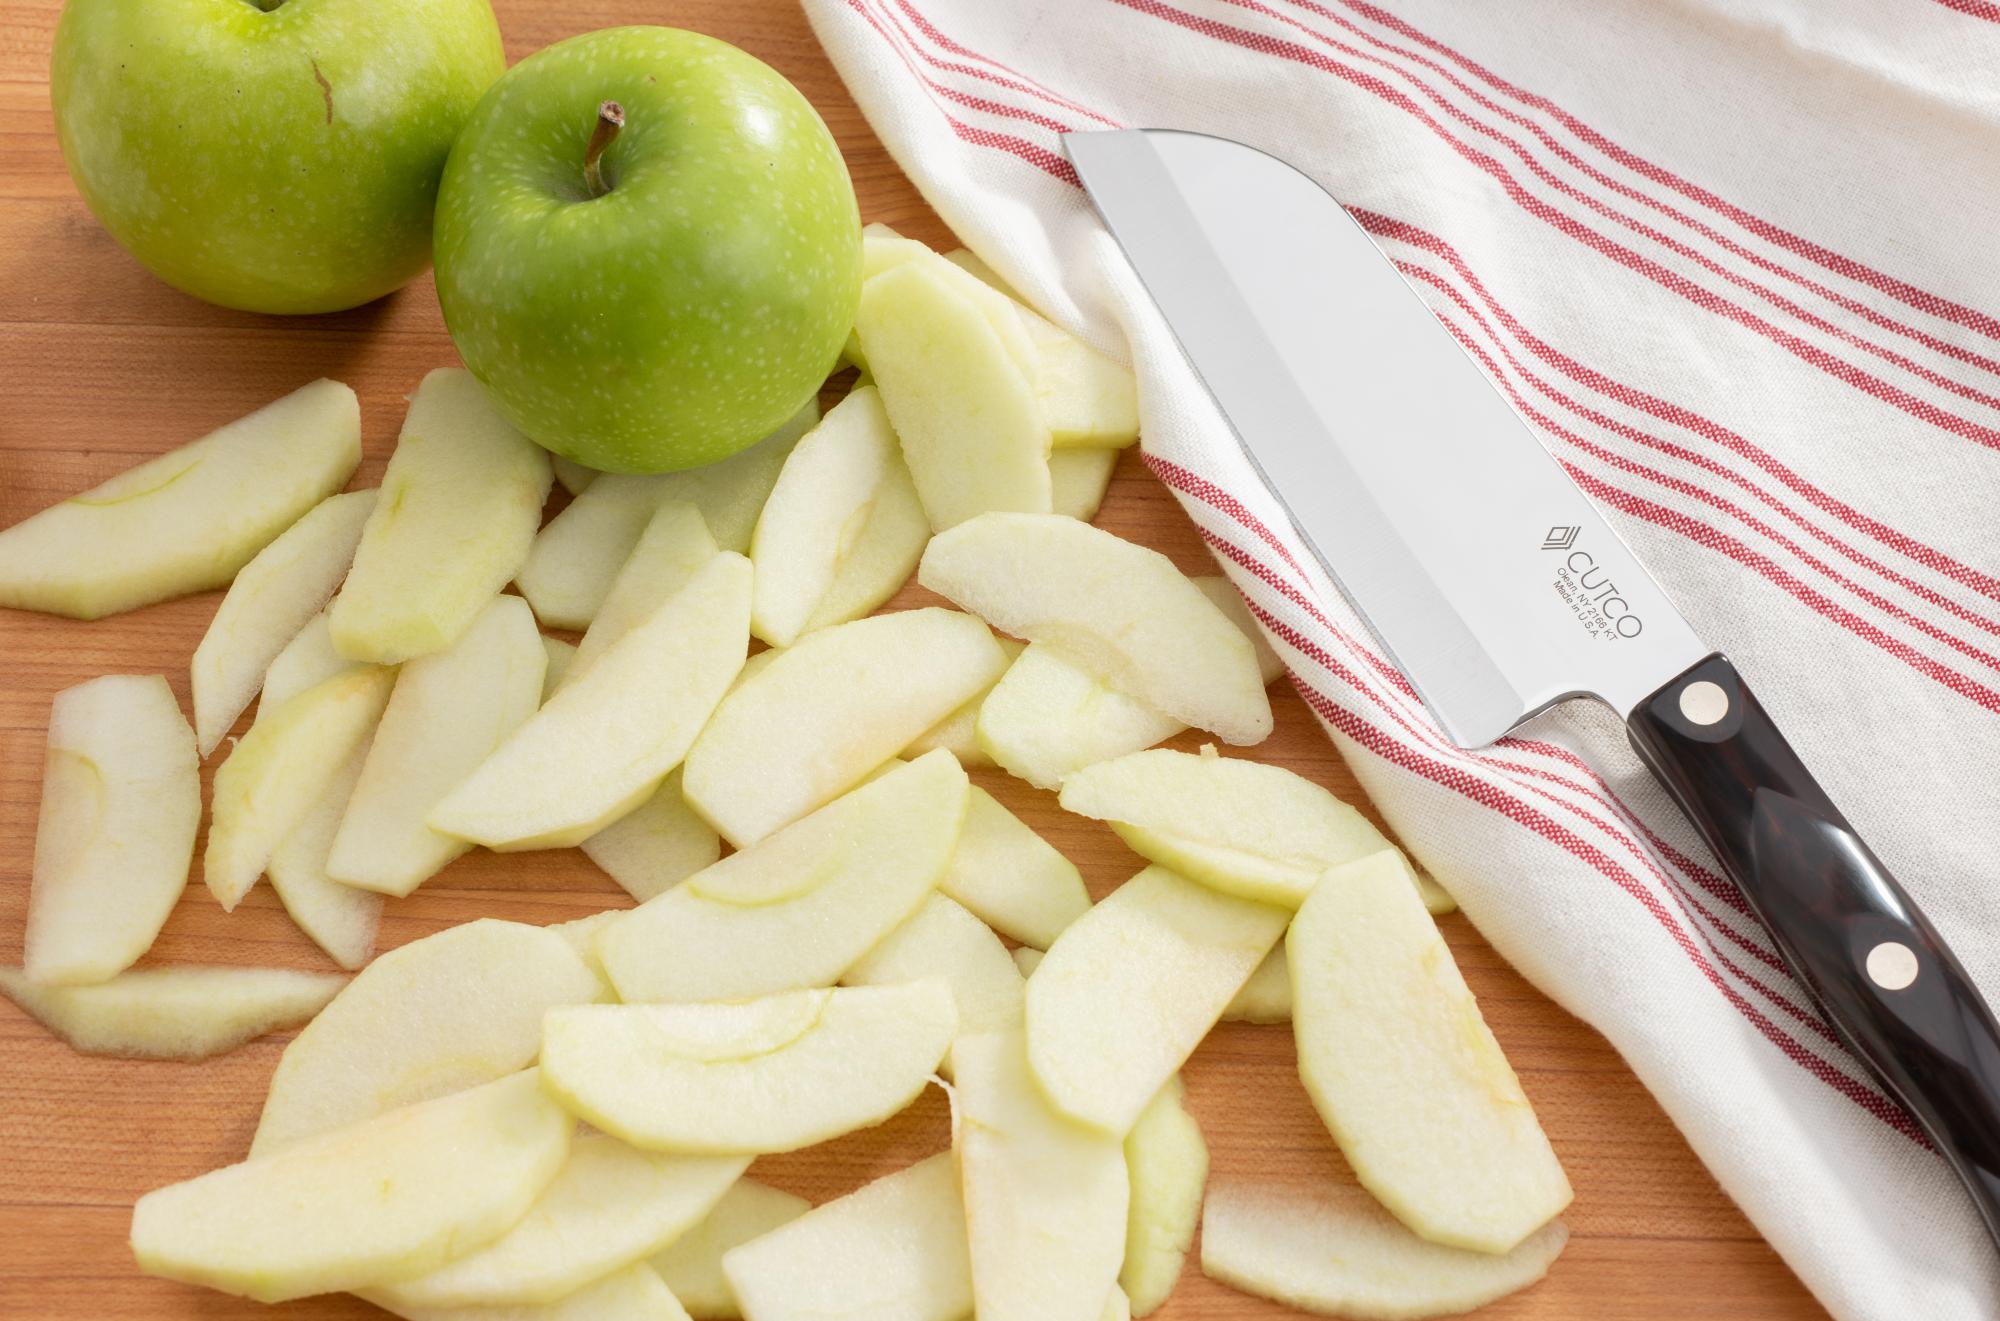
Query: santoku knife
[{"x": 1499, "y": 591}]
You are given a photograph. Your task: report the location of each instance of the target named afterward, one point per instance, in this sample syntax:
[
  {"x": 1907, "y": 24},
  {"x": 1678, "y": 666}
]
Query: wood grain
[{"x": 100, "y": 364}]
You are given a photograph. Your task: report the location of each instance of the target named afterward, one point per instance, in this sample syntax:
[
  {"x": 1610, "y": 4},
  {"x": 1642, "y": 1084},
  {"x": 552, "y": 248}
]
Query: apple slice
[
  {"x": 173, "y": 1013},
  {"x": 656, "y": 845},
  {"x": 274, "y": 596},
  {"x": 1168, "y": 1165},
  {"x": 966, "y": 413},
  {"x": 775, "y": 1074},
  {"x": 893, "y": 1250},
  {"x": 1333, "y": 1249},
  {"x": 814, "y": 722},
  {"x": 941, "y": 939},
  {"x": 818, "y": 512},
  {"x": 1267, "y": 996},
  {"x": 1049, "y": 717},
  {"x": 692, "y": 1264},
  {"x": 460, "y": 503},
  {"x": 673, "y": 548},
  {"x": 189, "y": 519},
  {"x": 580, "y": 934},
  {"x": 879, "y": 556},
  {"x": 1231, "y": 603},
  {"x": 121, "y": 798},
  {"x": 958, "y": 733},
  {"x": 276, "y": 772},
  {"x": 307, "y": 661},
  {"x": 1045, "y": 1197},
  {"x": 605, "y": 742},
  {"x": 384, "y": 1199},
  {"x": 561, "y": 655},
  {"x": 1123, "y": 611},
  {"x": 1246, "y": 828},
  {"x": 609, "y": 1207},
  {"x": 1078, "y": 479},
  {"x": 635, "y": 1293},
  {"x": 572, "y": 475},
  {"x": 800, "y": 907},
  {"x": 446, "y": 1012},
  {"x": 446, "y": 715},
  {"x": 1117, "y": 1307},
  {"x": 1088, "y": 400},
  {"x": 1404, "y": 1071},
  {"x": 1010, "y": 877},
  {"x": 882, "y": 248},
  {"x": 1131, "y": 987},
  {"x": 578, "y": 555},
  {"x": 341, "y": 920},
  {"x": 972, "y": 264}
]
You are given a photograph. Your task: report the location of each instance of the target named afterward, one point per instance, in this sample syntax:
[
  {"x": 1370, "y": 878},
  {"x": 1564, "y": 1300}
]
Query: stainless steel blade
[{"x": 1482, "y": 568}]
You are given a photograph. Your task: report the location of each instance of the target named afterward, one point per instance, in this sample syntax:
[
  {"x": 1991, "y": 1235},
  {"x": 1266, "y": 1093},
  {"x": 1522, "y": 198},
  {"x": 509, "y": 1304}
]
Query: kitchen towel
[{"x": 1733, "y": 260}]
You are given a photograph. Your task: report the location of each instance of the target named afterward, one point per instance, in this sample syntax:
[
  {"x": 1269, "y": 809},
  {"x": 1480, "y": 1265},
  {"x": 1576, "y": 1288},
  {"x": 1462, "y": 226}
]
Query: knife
[{"x": 1497, "y": 589}]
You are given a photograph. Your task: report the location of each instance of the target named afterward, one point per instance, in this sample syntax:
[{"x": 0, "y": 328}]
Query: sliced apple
[
  {"x": 1404, "y": 1071},
  {"x": 692, "y": 1264},
  {"x": 307, "y": 661},
  {"x": 814, "y": 722},
  {"x": 121, "y": 798},
  {"x": 446, "y": 1012},
  {"x": 635, "y": 1293},
  {"x": 274, "y": 596},
  {"x": 966, "y": 413},
  {"x": 561, "y": 655},
  {"x": 341, "y": 919},
  {"x": 941, "y": 939},
  {"x": 173, "y": 1013},
  {"x": 972, "y": 264},
  {"x": 877, "y": 557},
  {"x": 1049, "y": 717},
  {"x": 1088, "y": 400},
  {"x": 580, "y": 934},
  {"x": 820, "y": 503},
  {"x": 1045, "y": 1197},
  {"x": 276, "y": 772},
  {"x": 605, "y": 742},
  {"x": 1117, "y": 1307},
  {"x": 775, "y": 1074},
  {"x": 572, "y": 475},
  {"x": 883, "y": 248},
  {"x": 460, "y": 503},
  {"x": 383, "y": 1199},
  {"x": 446, "y": 715},
  {"x": 189, "y": 519},
  {"x": 1078, "y": 479},
  {"x": 610, "y": 1206},
  {"x": 578, "y": 555},
  {"x": 1333, "y": 1249},
  {"x": 1244, "y": 827},
  {"x": 1231, "y": 603},
  {"x": 1010, "y": 877},
  {"x": 800, "y": 907},
  {"x": 893, "y": 1250},
  {"x": 1167, "y": 1161},
  {"x": 958, "y": 733},
  {"x": 1267, "y": 996},
  {"x": 1123, "y": 611},
  {"x": 656, "y": 845},
  {"x": 673, "y": 548},
  {"x": 1131, "y": 987}
]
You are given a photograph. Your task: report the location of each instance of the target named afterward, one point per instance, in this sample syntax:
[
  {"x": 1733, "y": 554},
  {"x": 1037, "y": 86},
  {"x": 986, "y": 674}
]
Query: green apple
[
  {"x": 269, "y": 155},
  {"x": 647, "y": 248}
]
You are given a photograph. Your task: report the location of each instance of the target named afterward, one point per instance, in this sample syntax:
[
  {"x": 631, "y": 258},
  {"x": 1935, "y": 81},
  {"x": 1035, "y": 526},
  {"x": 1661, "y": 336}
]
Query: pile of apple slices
[{"x": 420, "y": 1142}]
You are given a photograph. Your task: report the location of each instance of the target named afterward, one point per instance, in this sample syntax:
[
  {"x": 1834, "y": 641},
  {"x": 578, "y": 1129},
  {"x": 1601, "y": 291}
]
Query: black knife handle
[{"x": 1849, "y": 932}]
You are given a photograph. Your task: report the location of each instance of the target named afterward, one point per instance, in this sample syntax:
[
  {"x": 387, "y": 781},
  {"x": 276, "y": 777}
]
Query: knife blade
[{"x": 1495, "y": 586}]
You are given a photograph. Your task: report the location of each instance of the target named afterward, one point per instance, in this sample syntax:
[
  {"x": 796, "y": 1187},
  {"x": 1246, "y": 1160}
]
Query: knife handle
[{"x": 1850, "y": 933}]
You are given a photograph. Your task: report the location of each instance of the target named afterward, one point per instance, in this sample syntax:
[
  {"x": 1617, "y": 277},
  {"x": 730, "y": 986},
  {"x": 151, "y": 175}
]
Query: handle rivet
[
  {"x": 1704, "y": 703},
  {"x": 1892, "y": 965}
]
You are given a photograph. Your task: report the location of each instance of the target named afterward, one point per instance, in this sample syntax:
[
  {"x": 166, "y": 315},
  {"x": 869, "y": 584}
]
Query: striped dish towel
[{"x": 1733, "y": 259}]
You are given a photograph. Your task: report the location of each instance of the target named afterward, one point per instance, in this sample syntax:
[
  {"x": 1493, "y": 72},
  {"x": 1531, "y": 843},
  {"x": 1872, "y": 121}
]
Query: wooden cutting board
[{"x": 100, "y": 366}]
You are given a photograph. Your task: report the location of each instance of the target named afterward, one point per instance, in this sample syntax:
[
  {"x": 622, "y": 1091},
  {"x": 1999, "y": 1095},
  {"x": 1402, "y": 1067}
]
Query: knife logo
[{"x": 1560, "y": 538}]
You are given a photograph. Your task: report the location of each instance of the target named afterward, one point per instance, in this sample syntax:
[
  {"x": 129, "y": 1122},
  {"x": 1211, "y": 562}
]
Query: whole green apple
[
  {"x": 648, "y": 248},
  {"x": 269, "y": 155}
]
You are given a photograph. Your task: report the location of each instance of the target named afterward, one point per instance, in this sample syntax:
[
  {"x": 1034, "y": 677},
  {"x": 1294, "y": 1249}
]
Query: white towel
[{"x": 1735, "y": 260}]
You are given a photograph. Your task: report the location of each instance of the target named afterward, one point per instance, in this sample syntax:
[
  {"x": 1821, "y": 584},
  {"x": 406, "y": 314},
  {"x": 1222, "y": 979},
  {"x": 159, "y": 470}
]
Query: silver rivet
[
  {"x": 1703, "y": 702},
  {"x": 1892, "y": 965}
]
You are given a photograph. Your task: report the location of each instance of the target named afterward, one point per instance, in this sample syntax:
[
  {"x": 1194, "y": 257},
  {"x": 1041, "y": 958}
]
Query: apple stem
[{"x": 610, "y": 118}]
